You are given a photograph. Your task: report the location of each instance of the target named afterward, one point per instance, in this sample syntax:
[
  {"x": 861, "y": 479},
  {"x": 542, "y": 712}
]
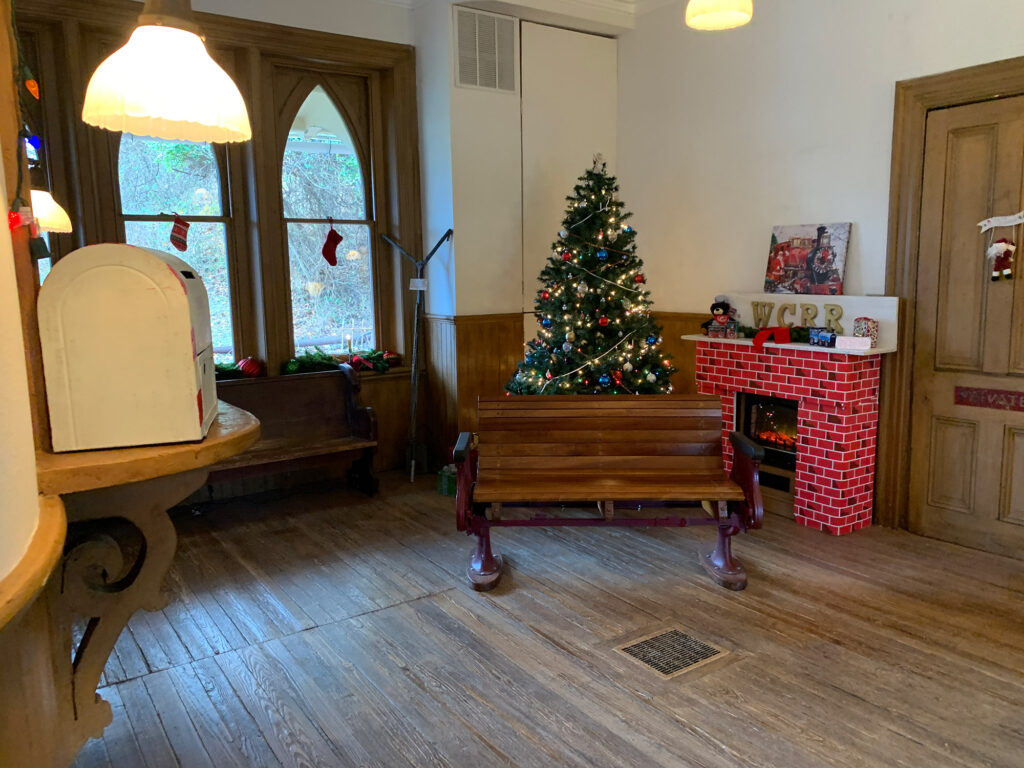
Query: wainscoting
[
  {"x": 473, "y": 355},
  {"x": 467, "y": 356}
]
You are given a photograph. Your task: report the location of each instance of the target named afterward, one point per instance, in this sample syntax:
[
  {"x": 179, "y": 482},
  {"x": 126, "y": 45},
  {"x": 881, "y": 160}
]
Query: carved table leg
[{"x": 120, "y": 545}]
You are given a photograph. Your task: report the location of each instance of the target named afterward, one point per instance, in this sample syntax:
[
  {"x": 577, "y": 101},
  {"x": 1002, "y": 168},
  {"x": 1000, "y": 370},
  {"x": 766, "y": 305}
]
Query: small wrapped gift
[{"x": 866, "y": 327}]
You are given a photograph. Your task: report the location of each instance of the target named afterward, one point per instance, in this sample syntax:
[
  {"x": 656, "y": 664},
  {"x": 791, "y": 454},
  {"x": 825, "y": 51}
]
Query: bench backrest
[
  {"x": 574, "y": 432},
  {"x": 313, "y": 406}
]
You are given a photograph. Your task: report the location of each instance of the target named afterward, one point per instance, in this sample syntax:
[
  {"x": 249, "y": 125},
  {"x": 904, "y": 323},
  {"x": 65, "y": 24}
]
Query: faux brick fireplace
[{"x": 837, "y": 421}]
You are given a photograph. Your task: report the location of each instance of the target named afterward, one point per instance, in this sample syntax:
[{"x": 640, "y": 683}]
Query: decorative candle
[{"x": 348, "y": 342}]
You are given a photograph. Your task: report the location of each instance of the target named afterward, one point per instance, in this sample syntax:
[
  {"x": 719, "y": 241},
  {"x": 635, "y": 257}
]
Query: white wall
[
  {"x": 487, "y": 193},
  {"x": 375, "y": 19},
  {"x": 785, "y": 121},
  {"x": 569, "y": 101},
  {"x": 432, "y": 22},
  {"x": 19, "y": 500}
]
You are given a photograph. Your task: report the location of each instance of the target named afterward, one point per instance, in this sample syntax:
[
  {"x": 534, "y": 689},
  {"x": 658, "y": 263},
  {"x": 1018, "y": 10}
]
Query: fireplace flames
[{"x": 777, "y": 440}]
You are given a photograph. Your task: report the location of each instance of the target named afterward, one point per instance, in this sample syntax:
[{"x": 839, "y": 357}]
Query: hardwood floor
[{"x": 324, "y": 629}]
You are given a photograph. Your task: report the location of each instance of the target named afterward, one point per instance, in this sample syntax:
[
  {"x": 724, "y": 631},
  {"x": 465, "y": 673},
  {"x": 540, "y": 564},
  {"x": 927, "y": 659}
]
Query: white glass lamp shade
[
  {"x": 48, "y": 213},
  {"x": 163, "y": 83},
  {"x": 718, "y": 14}
]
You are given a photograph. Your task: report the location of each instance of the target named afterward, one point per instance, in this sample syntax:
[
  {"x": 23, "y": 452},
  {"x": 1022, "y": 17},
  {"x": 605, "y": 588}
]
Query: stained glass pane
[
  {"x": 159, "y": 176},
  {"x": 331, "y": 303},
  {"x": 207, "y": 254},
  {"x": 321, "y": 177}
]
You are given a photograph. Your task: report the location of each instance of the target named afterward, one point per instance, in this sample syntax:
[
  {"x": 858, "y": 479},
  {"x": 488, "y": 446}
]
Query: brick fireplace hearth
[{"x": 837, "y": 418}]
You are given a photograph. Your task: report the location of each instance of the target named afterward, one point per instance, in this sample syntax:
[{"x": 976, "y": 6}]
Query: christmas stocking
[
  {"x": 330, "y": 249},
  {"x": 179, "y": 233}
]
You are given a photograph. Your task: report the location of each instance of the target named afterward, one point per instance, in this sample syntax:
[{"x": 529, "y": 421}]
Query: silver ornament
[
  {"x": 628, "y": 367},
  {"x": 567, "y": 347},
  {"x": 562, "y": 233},
  {"x": 651, "y": 378}
]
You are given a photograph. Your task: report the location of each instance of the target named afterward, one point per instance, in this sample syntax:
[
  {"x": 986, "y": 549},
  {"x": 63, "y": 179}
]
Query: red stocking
[
  {"x": 179, "y": 233},
  {"x": 330, "y": 248}
]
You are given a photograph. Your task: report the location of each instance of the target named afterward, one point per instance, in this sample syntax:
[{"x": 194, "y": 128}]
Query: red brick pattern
[{"x": 838, "y": 421}]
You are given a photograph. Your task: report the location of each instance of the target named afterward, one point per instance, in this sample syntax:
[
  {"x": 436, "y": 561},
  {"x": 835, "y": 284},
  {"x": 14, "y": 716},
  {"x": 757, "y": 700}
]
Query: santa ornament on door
[{"x": 1000, "y": 252}]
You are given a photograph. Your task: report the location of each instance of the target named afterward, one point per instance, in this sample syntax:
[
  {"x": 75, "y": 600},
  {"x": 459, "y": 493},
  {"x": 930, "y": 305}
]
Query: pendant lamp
[
  {"x": 163, "y": 83},
  {"x": 49, "y": 215},
  {"x": 718, "y": 14}
]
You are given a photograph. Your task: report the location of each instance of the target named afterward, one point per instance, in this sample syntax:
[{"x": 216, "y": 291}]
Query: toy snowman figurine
[{"x": 1000, "y": 253}]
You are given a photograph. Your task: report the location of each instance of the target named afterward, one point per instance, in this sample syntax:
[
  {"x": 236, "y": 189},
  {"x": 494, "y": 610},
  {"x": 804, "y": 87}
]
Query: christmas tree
[{"x": 597, "y": 335}]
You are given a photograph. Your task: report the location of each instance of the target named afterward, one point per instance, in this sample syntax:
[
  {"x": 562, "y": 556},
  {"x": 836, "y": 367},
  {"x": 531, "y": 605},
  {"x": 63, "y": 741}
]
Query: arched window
[
  {"x": 159, "y": 179},
  {"x": 323, "y": 183}
]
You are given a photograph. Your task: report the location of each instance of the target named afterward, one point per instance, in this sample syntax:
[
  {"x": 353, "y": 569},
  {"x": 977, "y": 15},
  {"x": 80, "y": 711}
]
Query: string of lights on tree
[{"x": 597, "y": 334}]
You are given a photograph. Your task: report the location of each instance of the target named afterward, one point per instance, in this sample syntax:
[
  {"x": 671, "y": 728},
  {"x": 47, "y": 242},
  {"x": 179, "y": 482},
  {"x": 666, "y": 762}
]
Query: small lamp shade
[
  {"x": 48, "y": 213},
  {"x": 163, "y": 83},
  {"x": 718, "y": 14}
]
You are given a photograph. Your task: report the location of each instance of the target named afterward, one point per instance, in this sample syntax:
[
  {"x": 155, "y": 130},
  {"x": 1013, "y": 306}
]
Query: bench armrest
[
  {"x": 461, "y": 451},
  {"x": 746, "y": 461}
]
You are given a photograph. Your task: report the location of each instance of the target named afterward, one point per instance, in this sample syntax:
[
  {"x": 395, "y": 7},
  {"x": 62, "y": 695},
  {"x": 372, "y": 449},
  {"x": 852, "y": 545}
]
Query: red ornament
[
  {"x": 603, "y": 321},
  {"x": 639, "y": 277},
  {"x": 617, "y": 376},
  {"x": 566, "y": 256},
  {"x": 544, "y": 295},
  {"x": 250, "y": 366}
]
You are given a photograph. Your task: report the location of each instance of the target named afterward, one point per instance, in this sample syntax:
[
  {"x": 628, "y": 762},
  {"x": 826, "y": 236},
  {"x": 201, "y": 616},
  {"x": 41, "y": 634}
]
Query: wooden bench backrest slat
[
  {"x": 572, "y": 465},
  {"x": 660, "y": 432}
]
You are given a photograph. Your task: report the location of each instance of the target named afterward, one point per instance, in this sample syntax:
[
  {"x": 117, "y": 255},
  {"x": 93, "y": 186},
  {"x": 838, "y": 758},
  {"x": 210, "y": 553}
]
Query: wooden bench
[
  {"x": 303, "y": 416},
  {"x": 625, "y": 451}
]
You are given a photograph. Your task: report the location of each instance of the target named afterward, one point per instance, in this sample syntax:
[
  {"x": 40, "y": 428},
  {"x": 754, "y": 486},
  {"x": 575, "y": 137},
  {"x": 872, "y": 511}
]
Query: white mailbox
[{"x": 127, "y": 349}]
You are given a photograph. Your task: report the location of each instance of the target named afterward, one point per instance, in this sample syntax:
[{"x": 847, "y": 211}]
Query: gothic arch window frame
[{"x": 361, "y": 136}]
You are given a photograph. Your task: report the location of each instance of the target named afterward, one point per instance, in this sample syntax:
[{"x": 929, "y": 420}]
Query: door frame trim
[{"x": 914, "y": 99}]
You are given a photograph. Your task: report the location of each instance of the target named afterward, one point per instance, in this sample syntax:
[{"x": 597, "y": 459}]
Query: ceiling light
[
  {"x": 718, "y": 14},
  {"x": 163, "y": 83}
]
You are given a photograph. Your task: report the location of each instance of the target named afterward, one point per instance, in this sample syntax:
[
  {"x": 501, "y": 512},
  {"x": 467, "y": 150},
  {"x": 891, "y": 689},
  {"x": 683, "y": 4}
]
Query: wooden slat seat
[
  {"x": 604, "y": 449},
  {"x": 303, "y": 416}
]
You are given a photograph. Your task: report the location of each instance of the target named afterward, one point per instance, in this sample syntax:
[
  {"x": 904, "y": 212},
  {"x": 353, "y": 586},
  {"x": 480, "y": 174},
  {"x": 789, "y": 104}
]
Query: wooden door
[{"x": 967, "y": 460}]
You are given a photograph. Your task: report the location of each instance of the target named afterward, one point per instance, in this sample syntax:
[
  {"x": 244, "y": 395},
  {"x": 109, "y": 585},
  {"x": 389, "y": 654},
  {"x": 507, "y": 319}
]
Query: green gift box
[{"x": 446, "y": 481}]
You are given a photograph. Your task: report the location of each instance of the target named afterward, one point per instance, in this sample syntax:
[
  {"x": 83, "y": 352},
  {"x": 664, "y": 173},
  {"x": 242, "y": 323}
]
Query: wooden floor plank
[{"x": 326, "y": 629}]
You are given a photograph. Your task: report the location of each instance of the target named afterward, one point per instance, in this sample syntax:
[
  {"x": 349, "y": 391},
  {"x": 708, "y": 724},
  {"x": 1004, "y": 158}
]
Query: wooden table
[{"x": 119, "y": 545}]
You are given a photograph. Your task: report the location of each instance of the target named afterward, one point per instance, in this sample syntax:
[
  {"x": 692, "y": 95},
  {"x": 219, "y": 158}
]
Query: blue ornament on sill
[
  {"x": 604, "y": 380},
  {"x": 652, "y": 340},
  {"x": 546, "y": 322},
  {"x": 602, "y": 255}
]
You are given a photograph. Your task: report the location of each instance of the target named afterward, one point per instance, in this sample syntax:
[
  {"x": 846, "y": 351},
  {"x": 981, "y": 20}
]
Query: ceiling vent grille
[{"x": 485, "y": 55}]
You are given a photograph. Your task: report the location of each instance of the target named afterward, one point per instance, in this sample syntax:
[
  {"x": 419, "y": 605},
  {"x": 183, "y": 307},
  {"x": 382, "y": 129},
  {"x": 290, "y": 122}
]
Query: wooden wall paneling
[
  {"x": 442, "y": 409},
  {"x": 24, "y": 267},
  {"x": 684, "y": 353},
  {"x": 488, "y": 348},
  {"x": 914, "y": 99}
]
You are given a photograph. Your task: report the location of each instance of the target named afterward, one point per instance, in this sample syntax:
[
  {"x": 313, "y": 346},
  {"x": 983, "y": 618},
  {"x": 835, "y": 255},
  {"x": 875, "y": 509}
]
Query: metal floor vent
[{"x": 671, "y": 652}]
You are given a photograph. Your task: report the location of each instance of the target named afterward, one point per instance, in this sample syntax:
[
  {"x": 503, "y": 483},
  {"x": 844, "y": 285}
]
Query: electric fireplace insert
[{"x": 772, "y": 423}]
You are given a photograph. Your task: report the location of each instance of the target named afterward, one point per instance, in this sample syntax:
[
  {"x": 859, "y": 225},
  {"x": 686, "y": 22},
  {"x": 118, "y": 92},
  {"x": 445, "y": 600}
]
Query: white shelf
[{"x": 808, "y": 347}]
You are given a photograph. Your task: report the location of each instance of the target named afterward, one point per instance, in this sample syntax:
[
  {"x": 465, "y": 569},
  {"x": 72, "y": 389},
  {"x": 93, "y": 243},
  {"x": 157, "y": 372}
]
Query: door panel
[
  {"x": 968, "y": 188},
  {"x": 967, "y": 462},
  {"x": 950, "y": 478},
  {"x": 1011, "y": 507}
]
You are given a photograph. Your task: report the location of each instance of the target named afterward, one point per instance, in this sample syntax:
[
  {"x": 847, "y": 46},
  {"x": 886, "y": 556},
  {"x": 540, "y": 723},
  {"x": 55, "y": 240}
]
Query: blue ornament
[
  {"x": 602, "y": 255},
  {"x": 604, "y": 380},
  {"x": 627, "y": 229},
  {"x": 652, "y": 340},
  {"x": 546, "y": 322}
]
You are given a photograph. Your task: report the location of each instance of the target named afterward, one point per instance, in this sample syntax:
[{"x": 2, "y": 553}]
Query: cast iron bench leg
[
  {"x": 484, "y": 568},
  {"x": 719, "y": 562}
]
